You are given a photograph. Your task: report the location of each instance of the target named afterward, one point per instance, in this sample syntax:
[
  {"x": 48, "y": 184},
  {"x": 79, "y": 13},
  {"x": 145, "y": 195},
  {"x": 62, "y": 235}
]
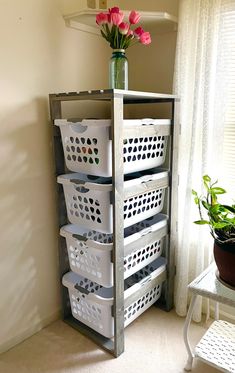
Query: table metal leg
[
  {"x": 188, "y": 319},
  {"x": 216, "y": 310}
]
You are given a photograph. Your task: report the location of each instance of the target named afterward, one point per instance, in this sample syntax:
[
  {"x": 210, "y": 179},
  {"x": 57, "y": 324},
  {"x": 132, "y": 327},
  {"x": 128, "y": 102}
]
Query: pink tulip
[
  {"x": 123, "y": 28},
  {"x": 145, "y": 38},
  {"x": 109, "y": 17},
  {"x": 115, "y": 9},
  {"x": 101, "y": 19},
  {"x": 117, "y": 32},
  {"x": 134, "y": 17},
  {"x": 116, "y": 18},
  {"x": 130, "y": 33},
  {"x": 138, "y": 32}
]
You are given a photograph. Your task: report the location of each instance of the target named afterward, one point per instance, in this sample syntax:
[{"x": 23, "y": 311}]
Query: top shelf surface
[
  {"x": 154, "y": 22},
  {"x": 108, "y": 94}
]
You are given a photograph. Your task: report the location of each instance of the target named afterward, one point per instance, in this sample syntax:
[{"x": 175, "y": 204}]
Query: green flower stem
[
  {"x": 117, "y": 69},
  {"x": 131, "y": 45},
  {"x": 116, "y": 37},
  {"x": 121, "y": 41}
]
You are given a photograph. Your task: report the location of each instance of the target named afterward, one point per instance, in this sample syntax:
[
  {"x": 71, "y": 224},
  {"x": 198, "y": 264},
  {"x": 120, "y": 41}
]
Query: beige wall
[
  {"x": 39, "y": 55},
  {"x": 151, "y": 67},
  {"x": 169, "y": 6}
]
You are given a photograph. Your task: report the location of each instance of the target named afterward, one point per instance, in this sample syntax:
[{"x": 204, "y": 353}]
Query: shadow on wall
[{"x": 28, "y": 264}]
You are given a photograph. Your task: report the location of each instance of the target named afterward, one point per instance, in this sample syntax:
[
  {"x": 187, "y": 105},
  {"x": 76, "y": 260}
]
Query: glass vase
[{"x": 118, "y": 70}]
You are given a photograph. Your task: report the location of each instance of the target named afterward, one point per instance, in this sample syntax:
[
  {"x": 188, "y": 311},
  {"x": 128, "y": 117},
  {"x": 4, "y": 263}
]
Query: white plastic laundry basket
[
  {"x": 90, "y": 252},
  {"x": 88, "y": 148},
  {"x": 92, "y": 304},
  {"x": 88, "y": 199}
]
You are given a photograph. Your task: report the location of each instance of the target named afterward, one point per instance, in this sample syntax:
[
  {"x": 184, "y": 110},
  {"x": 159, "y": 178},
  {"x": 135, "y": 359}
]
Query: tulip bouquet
[{"x": 118, "y": 33}]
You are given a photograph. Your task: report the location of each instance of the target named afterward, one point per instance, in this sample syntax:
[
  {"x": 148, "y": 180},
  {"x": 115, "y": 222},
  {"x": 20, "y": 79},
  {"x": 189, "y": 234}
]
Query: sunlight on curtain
[
  {"x": 201, "y": 80},
  {"x": 228, "y": 39}
]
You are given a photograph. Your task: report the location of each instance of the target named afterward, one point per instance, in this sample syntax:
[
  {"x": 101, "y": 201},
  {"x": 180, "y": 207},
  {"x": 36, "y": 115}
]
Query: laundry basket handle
[
  {"x": 79, "y": 237},
  {"x": 146, "y": 231},
  {"x": 81, "y": 289},
  {"x": 145, "y": 280},
  {"x": 146, "y": 178},
  {"x": 79, "y": 184},
  {"x": 78, "y": 127},
  {"x": 147, "y": 121}
]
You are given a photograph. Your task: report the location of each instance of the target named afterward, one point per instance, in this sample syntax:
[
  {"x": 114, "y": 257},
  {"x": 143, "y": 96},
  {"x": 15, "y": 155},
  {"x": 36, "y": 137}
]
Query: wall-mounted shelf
[{"x": 154, "y": 22}]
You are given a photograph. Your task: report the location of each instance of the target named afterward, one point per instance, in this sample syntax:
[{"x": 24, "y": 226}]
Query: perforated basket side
[
  {"x": 150, "y": 278},
  {"x": 91, "y": 303},
  {"x": 87, "y": 149},
  {"x": 144, "y": 152},
  {"x": 142, "y": 304},
  {"x": 141, "y": 257},
  {"x": 95, "y": 315},
  {"x": 90, "y": 262},
  {"x": 143, "y": 206},
  {"x": 97, "y": 265},
  {"x": 91, "y": 208},
  {"x": 90, "y": 252}
]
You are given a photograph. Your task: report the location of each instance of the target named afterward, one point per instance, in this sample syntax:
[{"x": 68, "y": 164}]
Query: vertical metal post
[
  {"x": 118, "y": 224},
  {"x": 188, "y": 366},
  {"x": 216, "y": 310},
  {"x": 56, "y": 113},
  {"x": 172, "y": 206},
  {"x": 55, "y": 108}
]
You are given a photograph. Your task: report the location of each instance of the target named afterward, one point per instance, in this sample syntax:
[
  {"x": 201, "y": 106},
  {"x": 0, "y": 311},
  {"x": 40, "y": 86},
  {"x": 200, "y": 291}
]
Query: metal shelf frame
[{"x": 117, "y": 100}]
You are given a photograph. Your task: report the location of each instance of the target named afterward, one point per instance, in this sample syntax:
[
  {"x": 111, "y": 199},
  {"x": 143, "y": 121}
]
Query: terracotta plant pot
[{"x": 225, "y": 260}]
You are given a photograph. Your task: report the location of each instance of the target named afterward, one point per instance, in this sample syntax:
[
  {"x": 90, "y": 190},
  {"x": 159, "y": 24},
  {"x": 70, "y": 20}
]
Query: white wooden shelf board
[{"x": 154, "y": 22}]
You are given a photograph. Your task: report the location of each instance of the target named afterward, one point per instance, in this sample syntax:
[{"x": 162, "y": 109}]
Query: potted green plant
[{"x": 221, "y": 221}]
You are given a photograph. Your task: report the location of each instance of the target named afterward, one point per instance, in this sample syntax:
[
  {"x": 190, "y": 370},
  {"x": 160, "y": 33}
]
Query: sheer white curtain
[{"x": 200, "y": 80}]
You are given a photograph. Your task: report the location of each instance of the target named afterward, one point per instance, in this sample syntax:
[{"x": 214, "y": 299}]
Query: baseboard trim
[{"x": 12, "y": 342}]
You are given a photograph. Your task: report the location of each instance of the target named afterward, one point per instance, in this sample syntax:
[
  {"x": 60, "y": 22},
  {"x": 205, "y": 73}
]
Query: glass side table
[{"x": 217, "y": 346}]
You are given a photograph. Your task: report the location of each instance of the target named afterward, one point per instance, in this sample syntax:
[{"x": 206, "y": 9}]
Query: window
[{"x": 228, "y": 40}]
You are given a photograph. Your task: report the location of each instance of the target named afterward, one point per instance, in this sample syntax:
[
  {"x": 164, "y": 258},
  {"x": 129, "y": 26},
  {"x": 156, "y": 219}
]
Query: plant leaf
[
  {"x": 205, "y": 205},
  {"x": 229, "y": 208},
  {"x": 103, "y": 34},
  {"x": 107, "y": 30},
  {"x": 201, "y": 222},
  {"x": 206, "y": 185},
  {"x": 196, "y": 200},
  {"x": 220, "y": 225},
  {"x": 215, "y": 209},
  {"x": 206, "y": 178},
  {"x": 218, "y": 190}
]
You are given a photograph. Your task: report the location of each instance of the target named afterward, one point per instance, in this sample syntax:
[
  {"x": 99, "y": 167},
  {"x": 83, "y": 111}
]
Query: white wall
[{"x": 39, "y": 55}]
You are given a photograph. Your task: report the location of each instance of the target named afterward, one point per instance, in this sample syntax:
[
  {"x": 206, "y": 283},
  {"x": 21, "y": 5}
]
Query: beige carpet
[{"x": 153, "y": 344}]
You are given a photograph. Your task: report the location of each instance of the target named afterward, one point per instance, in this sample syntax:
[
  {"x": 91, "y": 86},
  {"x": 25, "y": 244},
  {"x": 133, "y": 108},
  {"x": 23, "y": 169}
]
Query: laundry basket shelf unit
[{"x": 118, "y": 134}]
